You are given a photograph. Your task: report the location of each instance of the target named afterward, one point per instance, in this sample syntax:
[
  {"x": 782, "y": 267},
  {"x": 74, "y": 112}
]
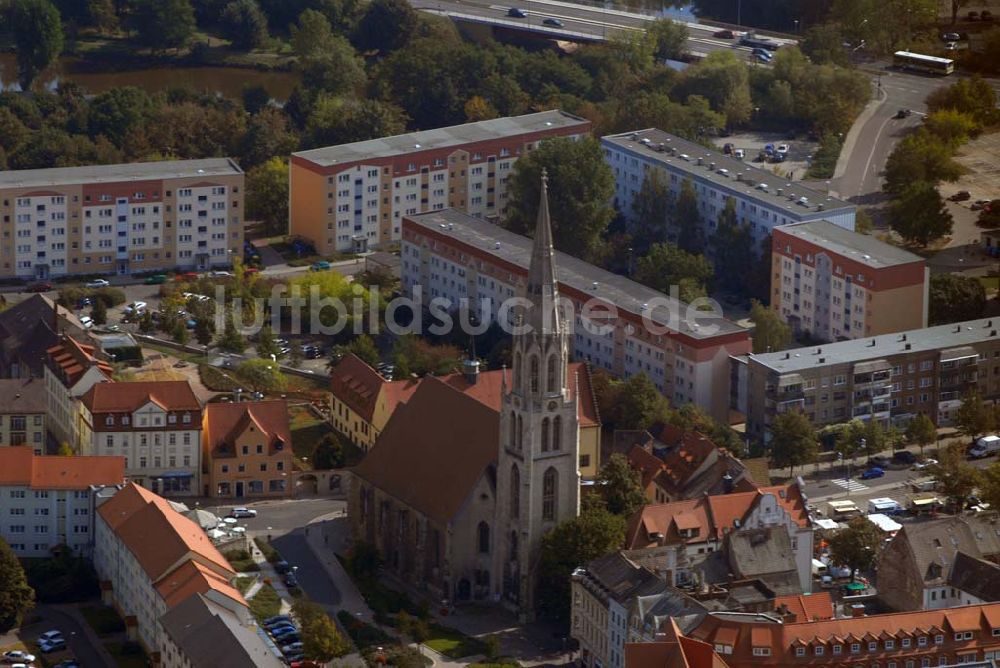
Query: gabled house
[
  {"x": 247, "y": 449},
  {"x": 23, "y": 413},
  {"x": 28, "y": 329},
  {"x": 672, "y": 649},
  {"x": 71, "y": 369}
]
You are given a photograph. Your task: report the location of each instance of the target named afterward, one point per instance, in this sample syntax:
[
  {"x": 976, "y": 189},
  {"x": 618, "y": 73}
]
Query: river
[{"x": 227, "y": 81}]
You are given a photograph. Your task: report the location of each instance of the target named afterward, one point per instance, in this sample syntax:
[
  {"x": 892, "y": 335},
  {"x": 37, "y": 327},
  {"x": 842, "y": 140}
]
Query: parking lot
[{"x": 796, "y": 161}]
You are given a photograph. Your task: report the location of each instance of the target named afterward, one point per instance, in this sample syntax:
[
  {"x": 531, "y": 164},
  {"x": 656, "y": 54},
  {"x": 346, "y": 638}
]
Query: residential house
[
  {"x": 71, "y": 369},
  {"x": 671, "y": 649},
  {"x": 247, "y": 449},
  {"x": 805, "y": 607},
  {"x": 50, "y": 501},
  {"x": 28, "y": 329},
  {"x": 22, "y": 413},
  {"x": 155, "y": 425},
  {"x": 917, "y": 569},
  {"x": 150, "y": 559}
]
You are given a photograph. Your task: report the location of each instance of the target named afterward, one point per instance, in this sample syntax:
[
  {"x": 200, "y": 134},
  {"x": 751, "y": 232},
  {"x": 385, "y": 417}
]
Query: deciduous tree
[
  {"x": 856, "y": 546},
  {"x": 320, "y": 638},
  {"x": 954, "y": 298},
  {"x": 734, "y": 251},
  {"x": 919, "y": 214},
  {"x": 921, "y": 430},
  {"x": 312, "y": 37},
  {"x": 770, "y": 333},
  {"x": 974, "y": 418},
  {"x": 364, "y": 347},
  {"x": 162, "y": 24},
  {"x": 386, "y": 26},
  {"x": 955, "y": 477},
  {"x": 16, "y": 597},
  {"x": 669, "y": 38},
  {"x": 621, "y": 486},
  {"x": 38, "y": 37},
  {"x": 244, "y": 24},
  {"x": 262, "y": 375},
  {"x": 666, "y": 267},
  {"x": 687, "y": 220},
  {"x": 267, "y": 195},
  {"x": 919, "y": 158},
  {"x": 650, "y": 208},
  {"x": 99, "y": 312},
  {"x": 793, "y": 440},
  {"x": 329, "y": 454}
]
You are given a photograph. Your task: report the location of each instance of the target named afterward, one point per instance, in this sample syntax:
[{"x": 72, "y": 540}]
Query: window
[
  {"x": 550, "y": 374},
  {"x": 855, "y": 647},
  {"x": 766, "y": 651},
  {"x": 515, "y": 492},
  {"x": 534, "y": 373},
  {"x": 484, "y": 538},
  {"x": 818, "y": 650},
  {"x": 545, "y": 434},
  {"x": 922, "y": 641},
  {"x": 549, "y": 486},
  {"x": 557, "y": 433},
  {"x": 872, "y": 646},
  {"x": 905, "y": 643},
  {"x": 890, "y": 644},
  {"x": 837, "y": 649},
  {"x": 938, "y": 639}
]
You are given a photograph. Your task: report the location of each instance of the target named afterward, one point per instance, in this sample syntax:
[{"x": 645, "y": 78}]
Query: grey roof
[
  {"x": 654, "y": 609},
  {"x": 758, "y": 552},
  {"x": 23, "y": 395},
  {"x": 939, "y": 337},
  {"x": 584, "y": 277},
  {"x": 861, "y": 248},
  {"x": 427, "y": 140},
  {"x": 724, "y": 176},
  {"x": 27, "y": 331},
  {"x": 211, "y": 635},
  {"x": 621, "y": 579},
  {"x": 937, "y": 543},
  {"x": 135, "y": 171},
  {"x": 113, "y": 340},
  {"x": 974, "y": 576}
]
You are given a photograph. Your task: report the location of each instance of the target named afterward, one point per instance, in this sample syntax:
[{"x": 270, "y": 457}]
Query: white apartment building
[
  {"x": 71, "y": 369},
  {"x": 156, "y": 426},
  {"x": 454, "y": 256},
  {"x": 121, "y": 218},
  {"x": 354, "y": 196},
  {"x": 48, "y": 501},
  {"x": 763, "y": 200}
]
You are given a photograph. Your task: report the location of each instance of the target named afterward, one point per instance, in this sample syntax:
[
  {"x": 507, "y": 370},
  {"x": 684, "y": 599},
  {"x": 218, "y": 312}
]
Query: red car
[
  {"x": 186, "y": 276},
  {"x": 724, "y": 34},
  {"x": 41, "y": 286}
]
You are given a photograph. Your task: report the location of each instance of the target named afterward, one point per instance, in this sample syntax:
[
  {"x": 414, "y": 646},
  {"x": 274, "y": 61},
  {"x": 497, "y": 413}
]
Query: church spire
[{"x": 542, "y": 290}]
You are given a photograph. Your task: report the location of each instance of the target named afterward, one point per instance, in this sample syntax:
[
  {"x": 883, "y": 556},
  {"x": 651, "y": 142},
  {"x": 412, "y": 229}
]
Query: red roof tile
[
  {"x": 171, "y": 395},
  {"x": 20, "y": 466},
  {"x": 224, "y": 422},
  {"x": 807, "y": 607},
  {"x": 70, "y": 359},
  {"x": 356, "y": 384}
]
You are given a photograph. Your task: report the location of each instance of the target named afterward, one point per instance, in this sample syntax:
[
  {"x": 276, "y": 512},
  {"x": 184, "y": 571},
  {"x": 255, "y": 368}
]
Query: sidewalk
[
  {"x": 852, "y": 135},
  {"x": 267, "y": 572},
  {"x": 326, "y": 536}
]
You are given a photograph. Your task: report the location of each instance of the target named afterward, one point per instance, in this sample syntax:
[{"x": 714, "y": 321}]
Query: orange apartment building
[
  {"x": 120, "y": 219},
  {"x": 247, "y": 449},
  {"x": 354, "y": 196},
  {"x": 833, "y": 284}
]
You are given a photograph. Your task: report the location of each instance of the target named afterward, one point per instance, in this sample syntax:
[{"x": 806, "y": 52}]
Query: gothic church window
[
  {"x": 545, "y": 434},
  {"x": 515, "y": 492},
  {"x": 550, "y": 483},
  {"x": 484, "y": 538},
  {"x": 534, "y": 373},
  {"x": 557, "y": 433}
]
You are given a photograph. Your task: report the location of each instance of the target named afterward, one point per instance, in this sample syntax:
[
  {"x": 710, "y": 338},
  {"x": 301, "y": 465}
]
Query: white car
[
  {"x": 98, "y": 283},
  {"x": 86, "y": 321},
  {"x": 135, "y": 307},
  {"x": 782, "y": 148},
  {"x": 243, "y": 512},
  {"x": 18, "y": 655},
  {"x": 920, "y": 466},
  {"x": 219, "y": 274}
]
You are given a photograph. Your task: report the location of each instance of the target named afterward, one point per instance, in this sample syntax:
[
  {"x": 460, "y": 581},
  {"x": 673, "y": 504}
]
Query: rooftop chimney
[
  {"x": 237, "y": 395},
  {"x": 470, "y": 369}
]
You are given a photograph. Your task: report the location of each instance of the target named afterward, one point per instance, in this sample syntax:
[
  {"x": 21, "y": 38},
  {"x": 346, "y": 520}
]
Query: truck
[
  {"x": 884, "y": 506},
  {"x": 843, "y": 510},
  {"x": 985, "y": 447}
]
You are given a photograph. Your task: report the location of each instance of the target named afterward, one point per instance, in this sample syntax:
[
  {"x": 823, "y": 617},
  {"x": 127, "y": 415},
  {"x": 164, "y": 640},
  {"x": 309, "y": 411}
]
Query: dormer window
[
  {"x": 922, "y": 641},
  {"x": 873, "y": 646},
  {"x": 855, "y": 647},
  {"x": 172, "y": 419},
  {"x": 766, "y": 651},
  {"x": 110, "y": 420},
  {"x": 890, "y": 644},
  {"x": 996, "y": 633},
  {"x": 818, "y": 650},
  {"x": 125, "y": 420},
  {"x": 938, "y": 639},
  {"x": 837, "y": 649},
  {"x": 186, "y": 419}
]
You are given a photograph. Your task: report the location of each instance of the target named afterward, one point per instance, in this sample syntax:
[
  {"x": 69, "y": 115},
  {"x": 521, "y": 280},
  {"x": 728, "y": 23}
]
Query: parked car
[
  {"x": 961, "y": 196},
  {"x": 904, "y": 457},
  {"x": 972, "y": 16},
  {"x": 49, "y": 646},
  {"x": 279, "y": 630},
  {"x": 290, "y": 581},
  {"x": 156, "y": 279},
  {"x": 951, "y": 46},
  {"x": 68, "y": 663},
  {"x": 40, "y": 286},
  {"x": 782, "y": 149},
  {"x": 270, "y": 621},
  {"x": 286, "y": 635},
  {"x": 282, "y": 567},
  {"x": 950, "y": 37},
  {"x": 322, "y": 265},
  {"x": 555, "y": 23},
  {"x": 219, "y": 274},
  {"x": 18, "y": 655},
  {"x": 516, "y": 13},
  {"x": 97, "y": 283},
  {"x": 86, "y": 321},
  {"x": 880, "y": 461},
  {"x": 243, "y": 512},
  {"x": 904, "y": 113},
  {"x": 920, "y": 466},
  {"x": 739, "y": 153},
  {"x": 872, "y": 472},
  {"x": 292, "y": 647},
  {"x": 986, "y": 15},
  {"x": 135, "y": 308},
  {"x": 724, "y": 34}
]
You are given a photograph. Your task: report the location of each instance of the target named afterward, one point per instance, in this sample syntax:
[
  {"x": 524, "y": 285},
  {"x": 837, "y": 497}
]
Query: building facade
[
  {"x": 121, "y": 219},
  {"x": 354, "y": 196},
  {"x": 889, "y": 378},
  {"x": 763, "y": 200},
  {"x": 23, "y": 413},
  {"x": 247, "y": 450},
  {"x": 156, "y": 426},
  {"x": 71, "y": 369},
  {"x": 50, "y": 501},
  {"x": 454, "y": 258},
  {"x": 832, "y": 284}
]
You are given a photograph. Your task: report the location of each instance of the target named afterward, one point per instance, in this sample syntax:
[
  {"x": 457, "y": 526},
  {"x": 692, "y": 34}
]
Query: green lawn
[
  {"x": 307, "y": 432},
  {"x": 266, "y": 603},
  {"x": 104, "y": 620},
  {"x": 127, "y": 660},
  {"x": 452, "y": 643},
  {"x": 243, "y": 584},
  {"x": 989, "y": 282}
]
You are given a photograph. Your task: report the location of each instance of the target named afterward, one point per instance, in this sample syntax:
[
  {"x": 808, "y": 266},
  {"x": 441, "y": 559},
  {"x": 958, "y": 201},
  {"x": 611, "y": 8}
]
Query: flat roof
[
  {"x": 940, "y": 337},
  {"x": 456, "y": 135},
  {"x": 861, "y": 248},
  {"x": 623, "y": 292},
  {"x": 134, "y": 171},
  {"x": 755, "y": 183}
]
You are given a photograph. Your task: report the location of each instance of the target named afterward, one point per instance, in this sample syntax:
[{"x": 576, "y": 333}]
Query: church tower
[{"x": 538, "y": 479}]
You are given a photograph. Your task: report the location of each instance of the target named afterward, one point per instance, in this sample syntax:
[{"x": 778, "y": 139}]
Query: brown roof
[
  {"x": 807, "y": 607},
  {"x": 159, "y": 537},
  {"x": 224, "y": 422},
  {"x": 23, "y": 396},
  {"x": 437, "y": 425},
  {"x": 193, "y": 578},
  {"x": 356, "y": 384},
  {"x": 20, "y": 466},
  {"x": 70, "y": 359},
  {"x": 671, "y": 649},
  {"x": 171, "y": 395}
]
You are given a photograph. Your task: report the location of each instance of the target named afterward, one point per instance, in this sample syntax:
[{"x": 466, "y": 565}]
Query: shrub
[{"x": 362, "y": 634}]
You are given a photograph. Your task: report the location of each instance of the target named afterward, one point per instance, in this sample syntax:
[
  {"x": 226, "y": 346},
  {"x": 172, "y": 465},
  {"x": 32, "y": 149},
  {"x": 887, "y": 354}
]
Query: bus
[
  {"x": 930, "y": 64},
  {"x": 753, "y": 41}
]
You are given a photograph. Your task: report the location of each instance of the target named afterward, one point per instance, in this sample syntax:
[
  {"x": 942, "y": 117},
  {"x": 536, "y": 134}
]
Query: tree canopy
[
  {"x": 770, "y": 332},
  {"x": 956, "y": 478},
  {"x": 621, "y": 486},
  {"x": 16, "y": 597},
  {"x": 856, "y": 546},
  {"x": 38, "y": 37},
  {"x": 919, "y": 214},
  {"x": 955, "y": 298},
  {"x": 793, "y": 440}
]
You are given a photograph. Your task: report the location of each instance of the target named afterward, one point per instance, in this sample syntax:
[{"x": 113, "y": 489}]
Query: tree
[
  {"x": 99, "y": 312},
  {"x": 921, "y": 430},
  {"x": 204, "y": 330},
  {"x": 162, "y": 24},
  {"x": 16, "y": 597},
  {"x": 117, "y": 112},
  {"x": 231, "y": 340},
  {"x": 320, "y": 638},
  {"x": 634, "y": 403},
  {"x": 266, "y": 347},
  {"x": 621, "y": 486},
  {"x": 919, "y": 214},
  {"x": 244, "y": 24},
  {"x": 951, "y": 126},
  {"x": 338, "y": 69},
  {"x": 973, "y": 418},
  {"x": 650, "y": 208},
  {"x": 687, "y": 220},
  {"x": 954, "y": 298},
  {"x": 65, "y": 450},
  {"x": 733, "y": 249},
  {"x": 262, "y": 375},
  {"x": 770, "y": 332},
  {"x": 312, "y": 37},
  {"x": 665, "y": 266},
  {"x": 793, "y": 440},
  {"x": 955, "y": 477},
  {"x": 580, "y": 190},
  {"x": 669, "y": 38},
  {"x": 387, "y": 26},
  {"x": 267, "y": 195},
  {"x": 856, "y": 546},
  {"x": 362, "y": 346},
  {"x": 974, "y": 97},
  {"x": 340, "y": 120},
  {"x": 989, "y": 485},
  {"x": 329, "y": 454},
  {"x": 38, "y": 37},
  {"x": 479, "y": 109},
  {"x": 413, "y": 355},
  {"x": 101, "y": 14},
  {"x": 920, "y": 157},
  {"x": 146, "y": 325},
  {"x": 268, "y": 134},
  {"x": 594, "y": 533},
  {"x": 180, "y": 332}
]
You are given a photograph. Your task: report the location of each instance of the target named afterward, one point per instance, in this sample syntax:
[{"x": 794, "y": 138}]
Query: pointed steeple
[{"x": 542, "y": 290}]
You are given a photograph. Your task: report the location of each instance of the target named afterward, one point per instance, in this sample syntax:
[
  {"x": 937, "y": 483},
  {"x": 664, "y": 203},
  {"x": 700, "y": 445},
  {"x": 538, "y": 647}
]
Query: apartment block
[
  {"x": 354, "y": 196},
  {"x": 453, "y": 256},
  {"x": 833, "y": 284},
  {"x": 120, "y": 219},
  {"x": 49, "y": 501},
  {"x": 155, "y": 425},
  {"x": 22, "y": 413},
  {"x": 889, "y": 378},
  {"x": 764, "y": 200}
]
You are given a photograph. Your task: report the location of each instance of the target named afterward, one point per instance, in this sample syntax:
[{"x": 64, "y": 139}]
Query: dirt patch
[{"x": 798, "y": 158}]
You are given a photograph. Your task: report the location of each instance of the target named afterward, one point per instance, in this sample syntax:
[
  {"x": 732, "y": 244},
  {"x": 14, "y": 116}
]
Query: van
[
  {"x": 818, "y": 568},
  {"x": 985, "y": 447},
  {"x": 884, "y": 506},
  {"x": 842, "y": 510}
]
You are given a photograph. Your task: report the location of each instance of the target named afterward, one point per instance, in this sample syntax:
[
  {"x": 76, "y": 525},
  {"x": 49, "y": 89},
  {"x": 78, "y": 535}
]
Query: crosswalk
[{"x": 850, "y": 485}]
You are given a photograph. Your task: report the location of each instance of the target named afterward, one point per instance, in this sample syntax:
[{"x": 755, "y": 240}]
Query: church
[{"x": 459, "y": 489}]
